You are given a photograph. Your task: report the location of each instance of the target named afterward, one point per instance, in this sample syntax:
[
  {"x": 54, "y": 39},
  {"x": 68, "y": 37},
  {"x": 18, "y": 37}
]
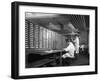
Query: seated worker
[
  {"x": 69, "y": 53},
  {"x": 70, "y": 49}
]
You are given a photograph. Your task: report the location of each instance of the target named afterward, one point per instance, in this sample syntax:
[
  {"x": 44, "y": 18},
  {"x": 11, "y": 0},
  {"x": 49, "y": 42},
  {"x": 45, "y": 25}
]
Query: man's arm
[{"x": 66, "y": 49}]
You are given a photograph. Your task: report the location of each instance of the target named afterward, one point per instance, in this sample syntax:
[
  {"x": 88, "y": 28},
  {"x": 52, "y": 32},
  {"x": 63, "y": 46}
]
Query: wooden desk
[
  {"x": 42, "y": 52},
  {"x": 53, "y": 53}
]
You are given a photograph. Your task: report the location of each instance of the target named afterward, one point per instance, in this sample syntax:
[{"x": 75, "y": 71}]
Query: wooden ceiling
[{"x": 62, "y": 23}]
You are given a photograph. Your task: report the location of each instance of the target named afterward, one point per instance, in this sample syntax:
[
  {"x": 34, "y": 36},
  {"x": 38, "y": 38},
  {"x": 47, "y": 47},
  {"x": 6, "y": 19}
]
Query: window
[{"x": 37, "y": 36}]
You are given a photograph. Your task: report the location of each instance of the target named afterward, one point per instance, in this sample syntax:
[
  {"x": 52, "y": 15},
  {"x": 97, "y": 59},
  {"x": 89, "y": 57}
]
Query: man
[{"x": 70, "y": 49}]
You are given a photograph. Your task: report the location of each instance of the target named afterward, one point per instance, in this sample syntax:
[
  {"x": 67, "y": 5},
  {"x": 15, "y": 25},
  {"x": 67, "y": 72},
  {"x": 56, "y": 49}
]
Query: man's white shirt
[
  {"x": 70, "y": 49},
  {"x": 76, "y": 41}
]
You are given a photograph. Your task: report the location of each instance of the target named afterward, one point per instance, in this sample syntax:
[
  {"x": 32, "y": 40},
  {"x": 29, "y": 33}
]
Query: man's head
[
  {"x": 68, "y": 41},
  {"x": 76, "y": 35}
]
